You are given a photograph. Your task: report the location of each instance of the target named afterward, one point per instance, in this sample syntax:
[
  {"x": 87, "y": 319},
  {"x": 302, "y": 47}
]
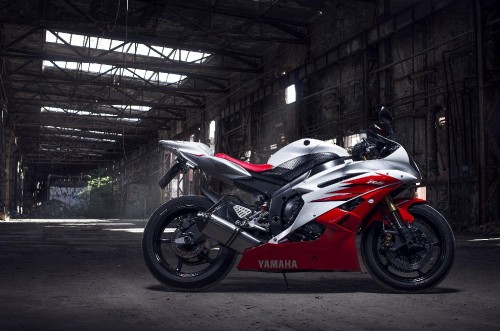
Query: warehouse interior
[{"x": 87, "y": 88}]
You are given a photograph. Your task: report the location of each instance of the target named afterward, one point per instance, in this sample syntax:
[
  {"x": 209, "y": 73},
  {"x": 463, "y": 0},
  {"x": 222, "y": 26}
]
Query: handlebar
[{"x": 373, "y": 146}]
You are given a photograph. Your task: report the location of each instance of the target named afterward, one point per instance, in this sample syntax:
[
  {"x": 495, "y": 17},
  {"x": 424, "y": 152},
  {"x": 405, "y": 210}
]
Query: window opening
[
  {"x": 442, "y": 121},
  {"x": 119, "y": 46},
  {"x": 351, "y": 140},
  {"x": 211, "y": 135},
  {"x": 290, "y": 94},
  {"x": 422, "y": 192},
  {"x": 332, "y": 141},
  {"x": 47, "y": 109}
]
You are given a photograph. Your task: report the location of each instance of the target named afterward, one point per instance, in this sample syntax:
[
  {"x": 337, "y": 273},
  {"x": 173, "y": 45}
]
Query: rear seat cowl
[{"x": 245, "y": 165}]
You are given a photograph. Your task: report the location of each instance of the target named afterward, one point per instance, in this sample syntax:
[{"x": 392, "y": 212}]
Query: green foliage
[
  {"x": 99, "y": 183},
  {"x": 100, "y": 198}
]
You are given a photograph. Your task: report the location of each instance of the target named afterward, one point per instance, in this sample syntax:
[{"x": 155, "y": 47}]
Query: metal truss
[{"x": 234, "y": 35}]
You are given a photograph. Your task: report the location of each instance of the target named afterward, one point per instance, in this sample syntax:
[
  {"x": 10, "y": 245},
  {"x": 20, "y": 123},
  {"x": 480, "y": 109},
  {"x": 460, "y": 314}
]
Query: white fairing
[
  {"x": 399, "y": 155},
  {"x": 177, "y": 146},
  {"x": 302, "y": 147},
  {"x": 200, "y": 155},
  {"x": 395, "y": 165}
]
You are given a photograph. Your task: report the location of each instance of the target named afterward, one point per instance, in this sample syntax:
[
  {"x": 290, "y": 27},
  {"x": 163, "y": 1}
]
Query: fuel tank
[{"x": 303, "y": 147}]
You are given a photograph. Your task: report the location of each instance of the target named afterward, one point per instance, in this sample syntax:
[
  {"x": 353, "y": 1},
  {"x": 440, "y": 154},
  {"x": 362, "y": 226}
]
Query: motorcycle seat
[{"x": 245, "y": 165}]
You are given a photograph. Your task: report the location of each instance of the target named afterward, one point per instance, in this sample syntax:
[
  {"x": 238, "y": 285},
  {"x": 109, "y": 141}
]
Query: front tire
[
  {"x": 177, "y": 253},
  {"x": 416, "y": 269}
]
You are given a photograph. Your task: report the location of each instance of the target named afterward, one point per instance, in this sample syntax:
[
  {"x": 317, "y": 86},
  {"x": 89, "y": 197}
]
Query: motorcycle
[{"x": 313, "y": 199}]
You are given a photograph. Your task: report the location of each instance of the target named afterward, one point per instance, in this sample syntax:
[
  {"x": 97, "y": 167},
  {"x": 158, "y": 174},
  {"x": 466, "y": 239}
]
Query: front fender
[{"x": 403, "y": 205}]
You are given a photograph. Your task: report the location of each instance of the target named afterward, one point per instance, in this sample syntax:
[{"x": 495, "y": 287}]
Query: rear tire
[
  {"x": 193, "y": 266},
  {"x": 411, "y": 270}
]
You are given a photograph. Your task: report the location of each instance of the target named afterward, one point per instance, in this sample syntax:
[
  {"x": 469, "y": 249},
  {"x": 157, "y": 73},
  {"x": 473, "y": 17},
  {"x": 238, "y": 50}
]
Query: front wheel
[
  {"x": 177, "y": 253},
  {"x": 414, "y": 269}
]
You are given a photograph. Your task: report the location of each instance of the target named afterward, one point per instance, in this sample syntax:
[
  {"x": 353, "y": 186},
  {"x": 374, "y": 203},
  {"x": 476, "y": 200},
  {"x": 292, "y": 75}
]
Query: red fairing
[
  {"x": 245, "y": 165},
  {"x": 403, "y": 205},
  {"x": 334, "y": 250}
]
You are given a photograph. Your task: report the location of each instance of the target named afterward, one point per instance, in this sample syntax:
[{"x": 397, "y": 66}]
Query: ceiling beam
[
  {"x": 150, "y": 37},
  {"x": 54, "y": 79},
  {"x": 156, "y": 65},
  {"x": 110, "y": 118},
  {"x": 48, "y": 98},
  {"x": 96, "y": 125},
  {"x": 38, "y": 159},
  {"x": 236, "y": 13}
]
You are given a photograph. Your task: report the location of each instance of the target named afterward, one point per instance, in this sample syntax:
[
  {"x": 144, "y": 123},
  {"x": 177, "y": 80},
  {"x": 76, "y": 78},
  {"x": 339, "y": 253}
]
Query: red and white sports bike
[{"x": 313, "y": 199}]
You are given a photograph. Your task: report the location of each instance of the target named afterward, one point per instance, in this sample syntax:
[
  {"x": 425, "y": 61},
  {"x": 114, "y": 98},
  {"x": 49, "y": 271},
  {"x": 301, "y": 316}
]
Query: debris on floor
[{"x": 53, "y": 209}]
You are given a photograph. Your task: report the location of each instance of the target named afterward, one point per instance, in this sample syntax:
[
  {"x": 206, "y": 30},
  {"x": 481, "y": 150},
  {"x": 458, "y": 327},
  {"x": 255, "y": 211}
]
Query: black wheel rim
[
  {"x": 184, "y": 260},
  {"x": 411, "y": 265}
]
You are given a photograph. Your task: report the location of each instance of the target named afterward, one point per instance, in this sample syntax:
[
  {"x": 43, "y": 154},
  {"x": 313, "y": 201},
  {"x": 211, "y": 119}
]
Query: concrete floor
[{"x": 89, "y": 275}]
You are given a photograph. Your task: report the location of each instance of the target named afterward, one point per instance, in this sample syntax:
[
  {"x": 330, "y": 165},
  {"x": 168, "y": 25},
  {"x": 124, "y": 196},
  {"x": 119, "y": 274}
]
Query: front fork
[{"x": 397, "y": 222}]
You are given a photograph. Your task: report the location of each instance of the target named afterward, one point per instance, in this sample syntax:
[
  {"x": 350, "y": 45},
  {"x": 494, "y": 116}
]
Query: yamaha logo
[
  {"x": 277, "y": 264},
  {"x": 374, "y": 182}
]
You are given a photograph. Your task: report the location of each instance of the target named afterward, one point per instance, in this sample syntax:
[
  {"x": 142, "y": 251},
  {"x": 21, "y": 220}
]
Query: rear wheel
[
  {"x": 414, "y": 269},
  {"x": 177, "y": 253}
]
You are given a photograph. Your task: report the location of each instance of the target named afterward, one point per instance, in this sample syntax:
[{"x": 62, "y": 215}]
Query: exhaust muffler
[{"x": 227, "y": 233}]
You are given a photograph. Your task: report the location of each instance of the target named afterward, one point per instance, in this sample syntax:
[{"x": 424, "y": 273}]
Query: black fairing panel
[
  {"x": 256, "y": 185},
  {"x": 295, "y": 167},
  {"x": 269, "y": 182}
]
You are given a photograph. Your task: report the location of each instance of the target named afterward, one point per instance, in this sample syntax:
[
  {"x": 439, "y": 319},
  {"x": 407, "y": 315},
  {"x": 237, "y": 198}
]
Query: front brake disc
[{"x": 415, "y": 258}]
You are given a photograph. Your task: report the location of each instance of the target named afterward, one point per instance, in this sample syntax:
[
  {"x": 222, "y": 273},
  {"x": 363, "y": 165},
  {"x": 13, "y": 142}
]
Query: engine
[
  {"x": 255, "y": 219},
  {"x": 310, "y": 231},
  {"x": 291, "y": 209}
]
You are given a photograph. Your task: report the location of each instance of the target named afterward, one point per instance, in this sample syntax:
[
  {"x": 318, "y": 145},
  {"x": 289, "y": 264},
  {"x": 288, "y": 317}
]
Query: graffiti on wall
[{"x": 77, "y": 197}]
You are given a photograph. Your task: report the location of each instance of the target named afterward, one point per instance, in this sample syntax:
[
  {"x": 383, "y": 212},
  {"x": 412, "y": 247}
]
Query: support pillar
[{"x": 480, "y": 109}]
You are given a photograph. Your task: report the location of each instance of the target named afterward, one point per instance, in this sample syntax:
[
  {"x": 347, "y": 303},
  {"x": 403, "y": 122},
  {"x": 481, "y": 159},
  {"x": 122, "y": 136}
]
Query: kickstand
[{"x": 286, "y": 281}]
